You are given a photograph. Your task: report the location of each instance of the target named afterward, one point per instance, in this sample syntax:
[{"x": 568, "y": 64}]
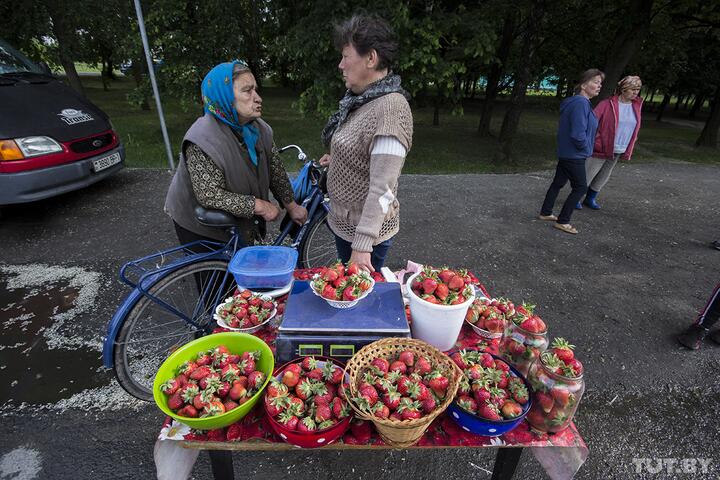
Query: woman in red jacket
[{"x": 618, "y": 125}]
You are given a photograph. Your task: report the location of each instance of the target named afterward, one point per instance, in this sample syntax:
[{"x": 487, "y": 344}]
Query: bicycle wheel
[
  {"x": 318, "y": 247},
  {"x": 151, "y": 333}
]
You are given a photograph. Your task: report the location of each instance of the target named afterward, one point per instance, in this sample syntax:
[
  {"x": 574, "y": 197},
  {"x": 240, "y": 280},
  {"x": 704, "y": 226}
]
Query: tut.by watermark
[{"x": 671, "y": 465}]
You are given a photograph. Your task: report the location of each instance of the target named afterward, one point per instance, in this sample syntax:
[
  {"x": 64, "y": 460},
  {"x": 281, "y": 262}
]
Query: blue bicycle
[{"x": 175, "y": 291}]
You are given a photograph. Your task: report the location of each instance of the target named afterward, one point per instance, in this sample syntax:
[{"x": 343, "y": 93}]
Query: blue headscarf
[{"x": 218, "y": 99}]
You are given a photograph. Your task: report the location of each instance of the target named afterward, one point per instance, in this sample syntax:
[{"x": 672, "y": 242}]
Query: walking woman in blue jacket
[{"x": 575, "y": 138}]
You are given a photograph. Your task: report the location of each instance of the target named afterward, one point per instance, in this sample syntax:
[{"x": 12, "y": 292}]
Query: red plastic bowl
[{"x": 318, "y": 438}]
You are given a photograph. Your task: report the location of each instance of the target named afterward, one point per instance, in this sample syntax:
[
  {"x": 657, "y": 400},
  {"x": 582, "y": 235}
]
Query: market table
[{"x": 177, "y": 447}]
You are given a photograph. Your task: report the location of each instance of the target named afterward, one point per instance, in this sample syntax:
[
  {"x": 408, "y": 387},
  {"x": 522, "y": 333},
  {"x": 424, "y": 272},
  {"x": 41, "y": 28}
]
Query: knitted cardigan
[{"x": 364, "y": 209}]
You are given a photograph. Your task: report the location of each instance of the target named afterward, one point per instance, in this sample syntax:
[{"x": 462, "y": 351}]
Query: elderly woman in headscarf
[
  {"x": 618, "y": 125},
  {"x": 228, "y": 161},
  {"x": 368, "y": 138}
]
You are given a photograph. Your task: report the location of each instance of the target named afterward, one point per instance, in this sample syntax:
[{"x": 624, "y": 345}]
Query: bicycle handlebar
[{"x": 301, "y": 154}]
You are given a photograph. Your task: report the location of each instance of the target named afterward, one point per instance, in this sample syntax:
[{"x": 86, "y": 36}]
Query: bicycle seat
[{"x": 216, "y": 218}]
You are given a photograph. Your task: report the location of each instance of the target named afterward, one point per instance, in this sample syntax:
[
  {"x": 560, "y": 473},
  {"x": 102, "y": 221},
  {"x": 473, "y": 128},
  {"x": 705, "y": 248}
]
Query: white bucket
[{"x": 438, "y": 325}]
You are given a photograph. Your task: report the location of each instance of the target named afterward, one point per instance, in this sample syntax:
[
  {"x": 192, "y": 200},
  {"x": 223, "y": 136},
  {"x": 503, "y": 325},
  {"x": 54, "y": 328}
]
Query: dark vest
[{"x": 225, "y": 149}]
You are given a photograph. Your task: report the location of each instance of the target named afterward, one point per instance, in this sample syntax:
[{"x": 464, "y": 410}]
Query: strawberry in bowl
[
  {"x": 305, "y": 402},
  {"x": 341, "y": 286},
  {"x": 245, "y": 312}
]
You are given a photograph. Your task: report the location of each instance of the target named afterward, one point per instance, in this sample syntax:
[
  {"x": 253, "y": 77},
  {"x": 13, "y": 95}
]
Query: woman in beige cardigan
[{"x": 368, "y": 138}]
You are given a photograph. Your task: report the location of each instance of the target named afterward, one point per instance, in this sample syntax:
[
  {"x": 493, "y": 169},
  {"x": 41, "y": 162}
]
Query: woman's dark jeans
[
  {"x": 377, "y": 257},
  {"x": 572, "y": 169}
]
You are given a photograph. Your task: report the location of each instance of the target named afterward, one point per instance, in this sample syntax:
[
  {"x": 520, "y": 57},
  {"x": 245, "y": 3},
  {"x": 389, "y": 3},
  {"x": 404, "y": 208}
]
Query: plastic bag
[{"x": 302, "y": 184}]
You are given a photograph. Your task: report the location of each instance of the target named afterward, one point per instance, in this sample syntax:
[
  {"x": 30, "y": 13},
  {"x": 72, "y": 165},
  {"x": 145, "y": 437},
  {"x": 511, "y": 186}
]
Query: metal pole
[{"x": 156, "y": 93}]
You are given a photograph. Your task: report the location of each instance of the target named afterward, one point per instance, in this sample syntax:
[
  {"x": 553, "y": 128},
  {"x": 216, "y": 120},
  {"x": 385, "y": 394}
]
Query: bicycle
[{"x": 175, "y": 291}]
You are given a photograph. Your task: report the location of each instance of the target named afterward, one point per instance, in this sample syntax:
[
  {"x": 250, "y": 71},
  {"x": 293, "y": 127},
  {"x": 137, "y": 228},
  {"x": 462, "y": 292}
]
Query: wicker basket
[{"x": 407, "y": 432}]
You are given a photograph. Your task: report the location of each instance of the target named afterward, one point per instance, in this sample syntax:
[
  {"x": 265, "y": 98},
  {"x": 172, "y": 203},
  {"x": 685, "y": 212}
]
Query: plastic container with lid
[{"x": 263, "y": 266}]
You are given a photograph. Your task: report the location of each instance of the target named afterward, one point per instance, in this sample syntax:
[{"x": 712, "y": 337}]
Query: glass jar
[
  {"x": 521, "y": 348},
  {"x": 555, "y": 398}
]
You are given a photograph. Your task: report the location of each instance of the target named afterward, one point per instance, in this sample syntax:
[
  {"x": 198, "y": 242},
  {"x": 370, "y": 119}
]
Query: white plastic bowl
[
  {"x": 221, "y": 322},
  {"x": 438, "y": 325}
]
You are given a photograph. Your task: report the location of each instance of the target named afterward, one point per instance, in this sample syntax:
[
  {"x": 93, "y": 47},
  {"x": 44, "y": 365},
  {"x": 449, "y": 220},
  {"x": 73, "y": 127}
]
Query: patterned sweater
[
  {"x": 364, "y": 209},
  {"x": 208, "y": 182}
]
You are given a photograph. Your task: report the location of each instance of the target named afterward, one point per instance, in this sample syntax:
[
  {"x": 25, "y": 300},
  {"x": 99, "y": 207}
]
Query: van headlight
[{"x": 34, "y": 146}]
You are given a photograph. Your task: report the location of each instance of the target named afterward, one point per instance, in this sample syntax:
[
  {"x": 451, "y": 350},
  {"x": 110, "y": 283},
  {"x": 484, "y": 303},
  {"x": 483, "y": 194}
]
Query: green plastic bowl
[{"x": 237, "y": 343}]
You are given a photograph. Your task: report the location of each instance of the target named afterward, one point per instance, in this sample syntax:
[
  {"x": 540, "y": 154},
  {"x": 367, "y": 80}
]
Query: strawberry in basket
[
  {"x": 216, "y": 382},
  {"x": 403, "y": 388}
]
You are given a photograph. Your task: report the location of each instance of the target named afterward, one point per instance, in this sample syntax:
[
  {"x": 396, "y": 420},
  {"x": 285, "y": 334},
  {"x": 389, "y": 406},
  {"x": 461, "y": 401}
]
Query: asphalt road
[{"x": 636, "y": 274}]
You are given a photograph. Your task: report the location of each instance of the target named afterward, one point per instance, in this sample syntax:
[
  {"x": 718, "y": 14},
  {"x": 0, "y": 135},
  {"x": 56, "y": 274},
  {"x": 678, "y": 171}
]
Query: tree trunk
[
  {"x": 474, "y": 88},
  {"x": 496, "y": 71},
  {"x": 709, "y": 135},
  {"x": 687, "y": 100},
  {"x": 697, "y": 105},
  {"x": 137, "y": 71},
  {"x": 559, "y": 89},
  {"x": 678, "y": 102},
  {"x": 63, "y": 35},
  {"x": 522, "y": 78},
  {"x": 661, "y": 108},
  {"x": 627, "y": 42}
]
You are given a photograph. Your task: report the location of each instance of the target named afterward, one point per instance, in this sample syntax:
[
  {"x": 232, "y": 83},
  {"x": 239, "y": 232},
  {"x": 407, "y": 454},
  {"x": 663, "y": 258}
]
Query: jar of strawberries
[
  {"x": 524, "y": 338},
  {"x": 557, "y": 382}
]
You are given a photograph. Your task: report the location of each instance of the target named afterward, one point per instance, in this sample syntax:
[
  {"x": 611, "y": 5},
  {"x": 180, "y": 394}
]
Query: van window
[{"x": 12, "y": 61}]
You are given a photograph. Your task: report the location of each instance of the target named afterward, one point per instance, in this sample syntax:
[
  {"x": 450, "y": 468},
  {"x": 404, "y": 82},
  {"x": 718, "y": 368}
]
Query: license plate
[{"x": 106, "y": 162}]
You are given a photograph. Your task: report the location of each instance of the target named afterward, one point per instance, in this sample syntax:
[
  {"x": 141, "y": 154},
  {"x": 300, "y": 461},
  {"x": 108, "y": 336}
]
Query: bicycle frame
[{"x": 148, "y": 273}]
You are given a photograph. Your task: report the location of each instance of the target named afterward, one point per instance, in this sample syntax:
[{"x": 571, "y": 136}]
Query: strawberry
[
  {"x": 361, "y": 430},
  {"x": 429, "y": 285},
  {"x": 407, "y": 357},
  {"x": 350, "y": 293},
  {"x": 307, "y": 424},
  {"x": 329, "y": 292},
  {"x": 446, "y": 274},
  {"x": 402, "y": 385},
  {"x": 201, "y": 372},
  {"x": 234, "y": 432},
  {"x": 339, "y": 409},
  {"x": 441, "y": 292},
  {"x": 408, "y": 409},
  {"x": 561, "y": 395},
  {"x": 324, "y": 393},
  {"x": 545, "y": 401},
  {"x": 459, "y": 361},
  {"x": 369, "y": 393},
  {"x": 188, "y": 411},
  {"x": 352, "y": 269},
  {"x": 396, "y": 416},
  {"x": 456, "y": 283},
  {"x": 563, "y": 349},
  {"x": 315, "y": 374},
  {"x": 187, "y": 368},
  {"x": 170, "y": 387},
  {"x": 308, "y": 363},
  {"x": 422, "y": 366},
  {"x": 290, "y": 377},
  {"x": 329, "y": 275},
  {"x": 392, "y": 398},
  {"x": 323, "y": 412},
  {"x": 229, "y": 405},
  {"x": 431, "y": 299},
  {"x": 489, "y": 411},
  {"x": 332, "y": 373},
  {"x": 380, "y": 365},
  {"x": 510, "y": 409},
  {"x": 381, "y": 410},
  {"x": 224, "y": 389},
  {"x": 398, "y": 366},
  {"x": 428, "y": 405},
  {"x": 230, "y": 372},
  {"x": 256, "y": 379},
  {"x": 438, "y": 383},
  {"x": 203, "y": 359},
  {"x": 576, "y": 366},
  {"x": 305, "y": 388},
  {"x": 175, "y": 401},
  {"x": 467, "y": 403},
  {"x": 288, "y": 419},
  {"x": 276, "y": 405}
]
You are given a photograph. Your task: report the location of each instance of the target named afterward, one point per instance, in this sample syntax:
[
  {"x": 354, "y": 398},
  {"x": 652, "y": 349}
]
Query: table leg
[
  {"x": 506, "y": 461},
  {"x": 222, "y": 465}
]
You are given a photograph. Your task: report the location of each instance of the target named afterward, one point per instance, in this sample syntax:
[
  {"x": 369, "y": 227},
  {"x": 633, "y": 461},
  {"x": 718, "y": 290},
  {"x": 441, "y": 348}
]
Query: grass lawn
[{"x": 453, "y": 147}]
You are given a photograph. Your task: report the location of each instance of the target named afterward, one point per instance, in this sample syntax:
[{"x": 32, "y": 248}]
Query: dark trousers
[
  {"x": 377, "y": 257},
  {"x": 711, "y": 313},
  {"x": 572, "y": 169}
]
